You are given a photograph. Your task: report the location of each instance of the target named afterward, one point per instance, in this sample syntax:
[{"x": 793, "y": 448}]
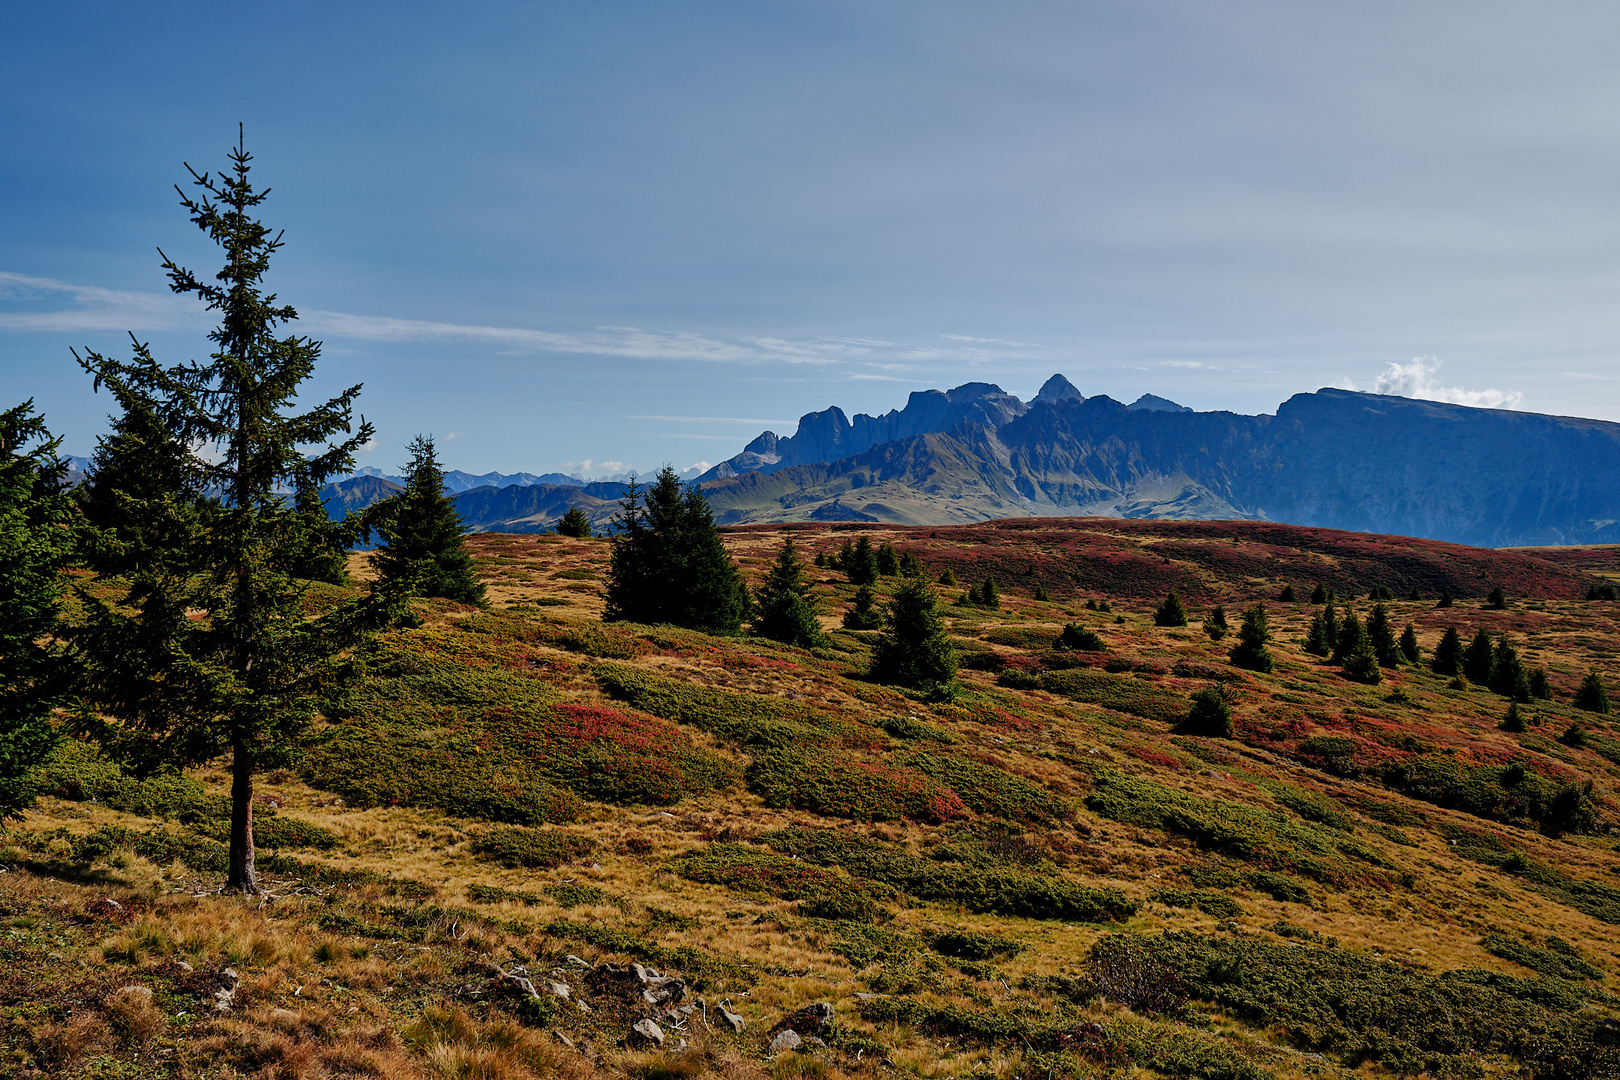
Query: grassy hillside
[{"x": 1047, "y": 876}]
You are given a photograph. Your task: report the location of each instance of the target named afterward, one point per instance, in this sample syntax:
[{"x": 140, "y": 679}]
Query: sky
[{"x": 592, "y": 237}]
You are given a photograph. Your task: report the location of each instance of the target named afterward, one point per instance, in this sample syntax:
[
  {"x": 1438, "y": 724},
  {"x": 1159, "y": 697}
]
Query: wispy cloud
[
  {"x": 1416, "y": 380},
  {"x": 93, "y": 309},
  {"x": 708, "y": 419}
]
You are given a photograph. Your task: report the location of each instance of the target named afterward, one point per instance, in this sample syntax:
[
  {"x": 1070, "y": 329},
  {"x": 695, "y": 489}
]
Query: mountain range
[{"x": 1334, "y": 458}]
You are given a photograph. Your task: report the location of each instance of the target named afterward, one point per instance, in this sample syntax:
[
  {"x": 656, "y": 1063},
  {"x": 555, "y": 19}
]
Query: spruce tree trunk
[{"x": 242, "y": 877}]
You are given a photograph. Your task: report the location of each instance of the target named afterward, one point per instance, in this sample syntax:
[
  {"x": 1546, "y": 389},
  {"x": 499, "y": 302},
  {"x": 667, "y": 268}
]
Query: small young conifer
[
  {"x": 1210, "y": 715},
  {"x": 864, "y": 615},
  {"x": 1574, "y": 735},
  {"x": 1172, "y": 612},
  {"x": 1592, "y": 696},
  {"x": 821, "y": 559},
  {"x": 1497, "y": 600},
  {"x": 1041, "y": 595},
  {"x": 1321, "y": 594},
  {"x": 1415, "y": 594},
  {"x": 1479, "y": 659},
  {"x": 1215, "y": 623},
  {"x": 1287, "y": 595},
  {"x": 319, "y": 548},
  {"x": 914, "y": 650},
  {"x": 1448, "y": 654},
  {"x": 1445, "y": 599},
  {"x": 1080, "y": 639},
  {"x": 888, "y": 560},
  {"x": 948, "y": 578},
  {"x": 1250, "y": 652},
  {"x": 862, "y": 566},
  {"x": 1540, "y": 688},
  {"x": 1318, "y": 642},
  {"x": 1508, "y": 676},
  {"x": 911, "y": 566},
  {"x": 422, "y": 534},
  {"x": 1361, "y": 664},
  {"x": 1409, "y": 645},
  {"x": 575, "y": 524},
  {"x": 1382, "y": 636},
  {"x": 845, "y": 556},
  {"x": 988, "y": 596},
  {"x": 786, "y": 612},
  {"x": 1351, "y": 636},
  {"x": 1513, "y": 723}
]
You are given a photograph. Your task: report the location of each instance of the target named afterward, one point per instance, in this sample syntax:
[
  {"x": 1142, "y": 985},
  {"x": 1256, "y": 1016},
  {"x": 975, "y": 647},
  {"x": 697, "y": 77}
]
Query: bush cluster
[
  {"x": 532, "y": 848},
  {"x": 830, "y": 782},
  {"x": 991, "y": 791},
  {"x": 1119, "y": 692}
]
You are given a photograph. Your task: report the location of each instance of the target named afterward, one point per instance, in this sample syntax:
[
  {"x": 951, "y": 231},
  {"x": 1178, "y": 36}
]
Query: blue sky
[{"x": 552, "y": 234}]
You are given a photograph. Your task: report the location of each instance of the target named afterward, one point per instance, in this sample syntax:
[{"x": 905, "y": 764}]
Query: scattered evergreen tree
[
  {"x": 1287, "y": 595},
  {"x": 1041, "y": 595},
  {"x": 888, "y": 560},
  {"x": 1415, "y": 594},
  {"x": 1445, "y": 599},
  {"x": 1409, "y": 645},
  {"x": 1602, "y": 591},
  {"x": 864, "y": 615},
  {"x": 320, "y": 546},
  {"x": 1508, "y": 676},
  {"x": 1513, "y": 723},
  {"x": 948, "y": 578},
  {"x": 141, "y": 492},
  {"x": 1172, "y": 612},
  {"x": 1382, "y": 636},
  {"x": 845, "y": 556},
  {"x": 861, "y": 566},
  {"x": 574, "y": 524},
  {"x": 911, "y": 566},
  {"x": 1497, "y": 600},
  {"x": 1592, "y": 696},
  {"x": 1479, "y": 660},
  {"x": 914, "y": 650},
  {"x": 1210, "y": 715},
  {"x": 1080, "y": 639},
  {"x": 666, "y": 563},
  {"x": 1361, "y": 663},
  {"x": 1215, "y": 623},
  {"x": 245, "y": 674},
  {"x": 38, "y": 528},
  {"x": 1250, "y": 652},
  {"x": 1318, "y": 641},
  {"x": 423, "y": 544},
  {"x": 1540, "y": 688},
  {"x": 1448, "y": 654},
  {"x": 1574, "y": 735},
  {"x": 1350, "y": 638},
  {"x": 786, "y": 611},
  {"x": 985, "y": 595},
  {"x": 1381, "y": 593},
  {"x": 821, "y": 559},
  {"x": 1321, "y": 594}
]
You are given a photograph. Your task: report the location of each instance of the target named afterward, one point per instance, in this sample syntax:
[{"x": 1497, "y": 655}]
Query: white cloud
[
  {"x": 696, "y": 470},
  {"x": 454, "y": 435},
  {"x": 94, "y": 309},
  {"x": 590, "y": 469},
  {"x": 1416, "y": 380}
]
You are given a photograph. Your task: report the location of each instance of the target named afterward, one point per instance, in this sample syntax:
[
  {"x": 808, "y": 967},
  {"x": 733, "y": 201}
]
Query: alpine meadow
[{"x": 1068, "y": 738}]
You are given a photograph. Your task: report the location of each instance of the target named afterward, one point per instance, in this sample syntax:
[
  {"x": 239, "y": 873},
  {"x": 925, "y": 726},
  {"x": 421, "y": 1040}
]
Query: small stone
[
  {"x": 815, "y": 1018},
  {"x": 646, "y": 1033},
  {"x": 182, "y": 965},
  {"x": 786, "y": 1039},
  {"x": 558, "y": 989},
  {"x": 572, "y": 959}
]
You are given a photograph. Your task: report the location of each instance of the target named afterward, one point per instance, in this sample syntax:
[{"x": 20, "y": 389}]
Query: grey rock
[
  {"x": 737, "y": 1022},
  {"x": 815, "y": 1018},
  {"x": 787, "y": 1039},
  {"x": 558, "y": 989},
  {"x": 572, "y": 959},
  {"x": 646, "y": 1033}
]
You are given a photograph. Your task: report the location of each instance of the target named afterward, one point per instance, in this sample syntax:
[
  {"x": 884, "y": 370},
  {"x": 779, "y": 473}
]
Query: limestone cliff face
[{"x": 1334, "y": 458}]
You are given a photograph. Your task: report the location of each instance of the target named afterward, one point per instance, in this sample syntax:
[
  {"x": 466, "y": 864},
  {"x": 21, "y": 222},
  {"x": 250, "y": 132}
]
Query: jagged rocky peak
[
  {"x": 1154, "y": 403},
  {"x": 765, "y": 444},
  {"x": 1056, "y": 389}
]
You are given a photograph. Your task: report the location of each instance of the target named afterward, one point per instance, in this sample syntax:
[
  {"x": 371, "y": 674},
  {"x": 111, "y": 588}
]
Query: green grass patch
[
  {"x": 989, "y": 790},
  {"x": 830, "y": 782},
  {"x": 532, "y": 848},
  {"x": 1119, "y": 692}
]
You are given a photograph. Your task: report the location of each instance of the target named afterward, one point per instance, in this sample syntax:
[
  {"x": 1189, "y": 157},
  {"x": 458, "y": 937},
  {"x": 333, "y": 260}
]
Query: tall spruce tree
[
  {"x": 1172, "y": 612},
  {"x": 38, "y": 529},
  {"x": 1593, "y": 696},
  {"x": 1448, "y": 654},
  {"x": 786, "y": 611},
  {"x": 1318, "y": 640},
  {"x": 667, "y": 563},
  {"x": 1508, "y": 675},
  {"x": 914, "y": 650},
  {"x": 210, "y": 651},
  {"x": 1254, "y": 635},
  {"x": 1351, "y": 636},
  {"x": 1409, "y": 645},
  {"x": 1479, "y": 660},
  {"x": 863, "y": 614},
  {"x": 574, "y": 524},
  {"x": 888, "y": 560},
  {"x": 423, "y": 545},
  {"x": 320, "y": 550}
]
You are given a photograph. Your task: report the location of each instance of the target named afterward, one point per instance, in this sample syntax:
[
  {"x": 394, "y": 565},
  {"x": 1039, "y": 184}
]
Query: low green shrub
[
  {"x": 1558, "y": 964},
  {"x": 1019, "y": 637},
  {"x": 491, "y": 894},
  {"x": 829, "y": 781},
  {"x": 991, "y": 791},
  {"x": 969, "y": 945},
  {"x": 533, "y": 848},
  {"x": 1211, "y": 903},
  {"x": 1119, "y": 692},
  {"x": 760, "y": 871},
  {"x": 749, "y": 719},
  {"x": 909, "y": 727}
]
